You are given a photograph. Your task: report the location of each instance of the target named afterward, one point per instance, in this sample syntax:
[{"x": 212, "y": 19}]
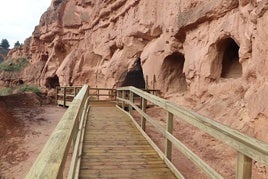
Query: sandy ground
[{"x": 25, "y": 127}]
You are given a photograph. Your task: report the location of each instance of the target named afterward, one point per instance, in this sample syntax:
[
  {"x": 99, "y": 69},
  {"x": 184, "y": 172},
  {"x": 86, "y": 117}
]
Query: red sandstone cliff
[
  {"x": 205, "y": 49},
  {"x": 209, "y": 55},
  {"x": 213, "y": 50}
]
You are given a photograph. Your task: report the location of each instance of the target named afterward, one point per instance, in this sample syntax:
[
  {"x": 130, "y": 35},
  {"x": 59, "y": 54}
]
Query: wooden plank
[
  {"x": 61, "y": 103},
  {"x": 130, "y": 109},
  {"x": 75, "y": 162},
  {"x": 169, "y": 128},
  {"x": 119, "y": 165},
  {"x": 126, "y": 173},
  {"x": 64, "y": 96},
  {"x": 244, "y": 167},
  {"x": 120, "y": 151},
  {"x": 159, "y": 152},
  {"x": 143, "y": 108}
]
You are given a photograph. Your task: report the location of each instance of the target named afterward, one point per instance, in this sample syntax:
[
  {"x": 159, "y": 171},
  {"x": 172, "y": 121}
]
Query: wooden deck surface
[{"x": 114, "y": 148}]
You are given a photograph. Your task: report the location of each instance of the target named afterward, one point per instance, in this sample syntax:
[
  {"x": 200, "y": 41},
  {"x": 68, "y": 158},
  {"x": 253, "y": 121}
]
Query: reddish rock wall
[{"x": 207, "y": 55}]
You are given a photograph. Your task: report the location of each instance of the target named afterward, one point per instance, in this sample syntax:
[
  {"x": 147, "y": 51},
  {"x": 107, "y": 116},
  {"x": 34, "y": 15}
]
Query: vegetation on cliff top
[
  {"x": 5, "y": 44},
  {"x": 3, "y": 53},
  {"x": 19, "y": 89},
  {"x": 13, "y": 65}
]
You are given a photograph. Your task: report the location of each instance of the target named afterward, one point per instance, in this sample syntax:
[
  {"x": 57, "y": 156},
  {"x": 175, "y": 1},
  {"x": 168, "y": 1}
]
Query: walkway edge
[{"x": 155, "y": 147}]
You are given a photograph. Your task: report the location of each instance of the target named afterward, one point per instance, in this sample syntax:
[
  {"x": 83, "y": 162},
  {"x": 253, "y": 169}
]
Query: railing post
[
  {"x": 143, "y": 108},
  {"x": 146, "y": 82},
  {"x": 131, "y": 99},
  {"x": 57, "y": 93},
  {"x": 124, "y": 97},
  {"x": 169, "y": 128},
  {"x": 154, "y": 80},
  {"x": 75, "y": 91},
  {"x": 114, "y": 94},
  {"x": 98, "y": 94},
  {"x": 243, "y": 166},
  {"x": 117, "y": 95},
  {"x": 64, "y": 96}
]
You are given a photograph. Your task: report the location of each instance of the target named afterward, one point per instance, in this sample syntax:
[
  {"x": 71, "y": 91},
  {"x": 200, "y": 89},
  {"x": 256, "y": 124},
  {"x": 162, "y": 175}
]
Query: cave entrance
[
  {"x": 231, "y": 67},
  {"x": 133, "y": 77},
  {"x": 52, "y": 82},
  {"x": 173, "y": 77}
]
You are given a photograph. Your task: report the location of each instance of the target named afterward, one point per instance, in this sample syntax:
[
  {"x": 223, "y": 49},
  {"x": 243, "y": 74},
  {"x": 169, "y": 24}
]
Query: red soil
[{"x": 25, "y": 126}]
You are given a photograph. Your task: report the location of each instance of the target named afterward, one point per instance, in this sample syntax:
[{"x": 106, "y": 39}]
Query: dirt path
[{"x": 25, "y": 126}]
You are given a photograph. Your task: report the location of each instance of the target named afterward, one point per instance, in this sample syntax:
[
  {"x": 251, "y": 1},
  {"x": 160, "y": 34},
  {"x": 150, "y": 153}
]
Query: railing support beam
[
  {"x": 124, "y": 97},
  {"x": 64, "y": 96},
  {"x": 244, "y": 166},
  {"x": 143, "y": 107},
  {"x": 131, "y": 99},
  {"x": 169, "y": 128}
]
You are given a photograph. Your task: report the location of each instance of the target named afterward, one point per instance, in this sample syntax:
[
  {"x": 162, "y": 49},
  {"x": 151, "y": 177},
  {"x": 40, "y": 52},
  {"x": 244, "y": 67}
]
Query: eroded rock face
[
  {"x": 193, "y": 51},
  {"x": 207, "y": 55}
]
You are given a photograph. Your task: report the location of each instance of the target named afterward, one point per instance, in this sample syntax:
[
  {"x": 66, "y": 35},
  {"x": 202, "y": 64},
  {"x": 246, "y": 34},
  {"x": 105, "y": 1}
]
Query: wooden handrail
[
  {"x": 66, "y": 94},
  {"x": 51, "y": 161},
  {"x": 248, "y": 148},
  {"x": 107, "y": 94}
]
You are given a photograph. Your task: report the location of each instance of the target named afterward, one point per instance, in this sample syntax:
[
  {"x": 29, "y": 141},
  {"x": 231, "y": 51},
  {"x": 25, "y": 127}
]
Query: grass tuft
[
  {"x": 13, "y": 65},
  {"x": 19, "y": 89},
  {"x": 29, "y": 88},
  {"x": 5, "y": 91}
]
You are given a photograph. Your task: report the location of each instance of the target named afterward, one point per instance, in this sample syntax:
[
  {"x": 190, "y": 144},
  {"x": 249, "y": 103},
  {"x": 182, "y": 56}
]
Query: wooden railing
[
  {"x": 248, "y": 148},
  {"x": 65, "y": 95},
  {"x": 68, "y": 133},
  {"x": 109, "y": 94},
  {"x": 102, "y": 94}
]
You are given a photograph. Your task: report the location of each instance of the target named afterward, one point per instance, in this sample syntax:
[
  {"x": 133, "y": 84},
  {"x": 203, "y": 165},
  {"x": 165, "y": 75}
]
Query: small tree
[
  {"x": 5, "y": 44},
  {"x": 17, "y": 44}
]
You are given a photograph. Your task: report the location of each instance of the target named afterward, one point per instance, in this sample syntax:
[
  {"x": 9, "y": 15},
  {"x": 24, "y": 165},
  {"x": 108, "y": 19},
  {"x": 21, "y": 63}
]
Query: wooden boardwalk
[{"x": 114, "y": 148}]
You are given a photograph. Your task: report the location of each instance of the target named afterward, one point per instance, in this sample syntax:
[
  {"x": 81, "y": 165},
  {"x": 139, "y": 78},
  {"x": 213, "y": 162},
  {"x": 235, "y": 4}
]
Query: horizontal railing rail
[
  {"x": 66, "y": 94},
  {"x": 51, "y": 161},
  {"x": 248, "y": 148},
  {"x": 109, "y": 94},
  {"x": 102, "y": 94}
]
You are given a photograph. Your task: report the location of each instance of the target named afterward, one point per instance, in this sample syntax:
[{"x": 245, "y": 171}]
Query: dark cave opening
[
  {"x": 52, "y": 82},
  {"x": 172, "y": 72},
  {"x": 133, "y": 77},
  {"x": 231, "y": 67}
]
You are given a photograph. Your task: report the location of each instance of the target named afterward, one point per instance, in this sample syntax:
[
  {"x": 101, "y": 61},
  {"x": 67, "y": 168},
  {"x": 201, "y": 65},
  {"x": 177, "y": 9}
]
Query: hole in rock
[
  {"x": 133, "y": 77},
  {"x": 52, "y": 82},
  {"x": 231, "y": 67},
  {"x": 172, "y": 73}
]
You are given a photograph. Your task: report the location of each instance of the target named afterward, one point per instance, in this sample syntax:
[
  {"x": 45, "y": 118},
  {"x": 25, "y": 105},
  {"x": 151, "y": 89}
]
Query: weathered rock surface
[{"x": 210, "y": 56}]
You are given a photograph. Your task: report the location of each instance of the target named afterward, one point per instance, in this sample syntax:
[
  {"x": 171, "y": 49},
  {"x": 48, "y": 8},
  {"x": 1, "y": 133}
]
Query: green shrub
[
  {"x": 19, "y": 89},
  {"x": 29, "y": 88},
  {"x": 5, "y": 91},
  {"x": 13, "y": 66}
]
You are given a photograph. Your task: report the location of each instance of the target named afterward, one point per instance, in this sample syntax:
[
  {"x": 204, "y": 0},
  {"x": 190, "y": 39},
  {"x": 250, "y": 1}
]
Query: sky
[{"x": 19, "y": 17}]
